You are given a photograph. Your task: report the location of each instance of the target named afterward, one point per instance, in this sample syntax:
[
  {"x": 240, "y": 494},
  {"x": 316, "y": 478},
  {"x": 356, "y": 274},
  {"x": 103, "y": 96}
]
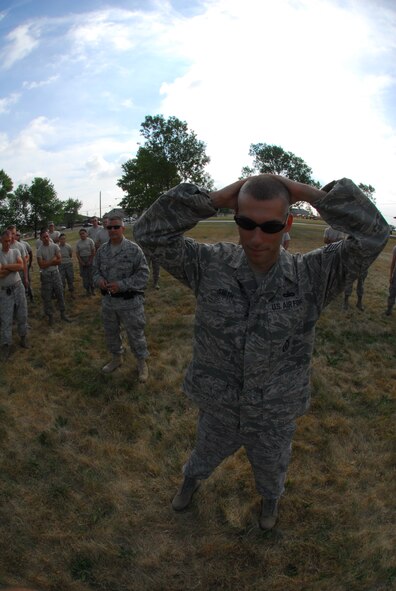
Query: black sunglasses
[
  {"x": 116, "y": 227},
  {"x": 271, "y": 227}
]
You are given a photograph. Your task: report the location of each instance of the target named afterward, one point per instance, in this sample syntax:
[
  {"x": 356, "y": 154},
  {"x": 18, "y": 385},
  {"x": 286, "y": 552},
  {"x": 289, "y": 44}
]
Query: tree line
[
  {"x": 170, "y": 154},
  {"x": 32, "y": 206}
]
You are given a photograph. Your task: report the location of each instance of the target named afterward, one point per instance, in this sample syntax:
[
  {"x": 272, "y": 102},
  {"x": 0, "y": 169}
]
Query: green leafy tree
[
  {"x": 35, "y": 205},
  {"x": 170, "y": 155},
  {"x": 18, "y": 208},
  {"x": 6, "y": 186},
  {"x": 70, "y": 209},
  {"x": 271, "y": 159},
  {"x": 368, "y": 190}
]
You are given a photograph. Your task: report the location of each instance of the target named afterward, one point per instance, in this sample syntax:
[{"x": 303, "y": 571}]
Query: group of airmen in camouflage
[{"x": 256, "y": 309}]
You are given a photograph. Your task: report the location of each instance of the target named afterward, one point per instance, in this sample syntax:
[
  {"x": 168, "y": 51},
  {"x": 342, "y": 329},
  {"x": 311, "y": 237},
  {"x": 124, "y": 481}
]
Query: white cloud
[
  {"x": 21, "y": 42},
  {"x": 33, "y": 84},
  {"x": 127, "y": 103},
  {"x": 285, "y": 73},
  {"x": 6, "y": 102},
  {"x": 100, "y": 168},
  {"x": 77, "y": 167}
]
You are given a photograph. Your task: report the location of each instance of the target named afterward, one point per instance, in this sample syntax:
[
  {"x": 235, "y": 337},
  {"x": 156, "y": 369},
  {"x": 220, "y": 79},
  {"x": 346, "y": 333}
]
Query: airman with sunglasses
[
  {"x": 257, "y": 305},
  {"x": 121, "y": 273}
]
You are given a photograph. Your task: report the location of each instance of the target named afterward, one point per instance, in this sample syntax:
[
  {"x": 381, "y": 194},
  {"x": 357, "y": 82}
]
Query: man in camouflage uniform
[
  {"x": 49, "y": 259},
  {"x": 102, "y": 236},
  {"x": 121, "y": 273},
  {"x": 154, "y": 265},
  {"x": 392, "y": 284},
  {"x": 66, "y": 268},
  {"x": 12, "y": 296},
  {"x": 257, "y": 305},
  {"x": 29, "y": 251},
  {"x": 85, "y": 251},
  {"x": 53, "y": 234},
  {"x": 330, "y": 235},
  {"x": 93, "y": 231}
]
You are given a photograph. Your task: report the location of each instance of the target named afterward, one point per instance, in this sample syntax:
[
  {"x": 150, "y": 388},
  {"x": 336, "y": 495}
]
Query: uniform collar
[{"x": 284, "y": 266}]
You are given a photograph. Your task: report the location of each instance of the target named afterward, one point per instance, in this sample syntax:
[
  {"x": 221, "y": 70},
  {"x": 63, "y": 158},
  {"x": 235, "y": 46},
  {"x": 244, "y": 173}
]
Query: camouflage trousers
[
  {"x": 86, "y": 274},
  {"x": 392, "y": 292},
  {"x": 67, "y": 275},
  {"x": 51, "y": 284},
  {"x": 361, "y": 278},
  {"x": 129, "y": 314},
  {"x": 152, "y": 262},
  {"x": 268, "y": 452},
  {"x": 12, "y": 298}
]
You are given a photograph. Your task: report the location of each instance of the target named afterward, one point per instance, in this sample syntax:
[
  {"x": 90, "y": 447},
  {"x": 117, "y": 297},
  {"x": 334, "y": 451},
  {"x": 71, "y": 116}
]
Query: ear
[{"x": 289, "y": 222}]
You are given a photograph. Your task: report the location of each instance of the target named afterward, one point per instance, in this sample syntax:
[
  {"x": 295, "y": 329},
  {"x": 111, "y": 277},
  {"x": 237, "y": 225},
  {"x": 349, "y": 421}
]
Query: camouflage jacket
[
  {"x": 253, "y": 343},
  {"x": 126, "y": 265}
]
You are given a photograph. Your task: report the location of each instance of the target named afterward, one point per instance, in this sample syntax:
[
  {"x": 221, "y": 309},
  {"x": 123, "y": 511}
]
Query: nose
[{"x": 257, "y": 237}]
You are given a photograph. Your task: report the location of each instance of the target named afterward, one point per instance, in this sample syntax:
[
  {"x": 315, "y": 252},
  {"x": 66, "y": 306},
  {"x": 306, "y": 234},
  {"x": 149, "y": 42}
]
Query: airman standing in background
[
  {"x": 102, "y": 236},
  {"x": 29, "y": 250},
  {"x": 330, "y": 236},
  {"x": 94, "y": 230},
  {"x": 12, "y": 296},
  {"x": 49, "y": 259},
  {"x": 121, "y": 273},
  {"x": 85, "y": 251},
  {"x": 54, "y": 234},
  {"x": 66, "y": 269}
]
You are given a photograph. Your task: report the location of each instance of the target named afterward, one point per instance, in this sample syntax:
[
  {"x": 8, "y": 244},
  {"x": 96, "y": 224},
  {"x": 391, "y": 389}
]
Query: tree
[
  {"x": 368, "y": 190},
  {"x": 271, "y": 159},
  {"x": 34, "y": 206},
  {"x": 70, "y": 209},
  {"x": 170, "y": 155},
  {"x": 6, "y": 186}
]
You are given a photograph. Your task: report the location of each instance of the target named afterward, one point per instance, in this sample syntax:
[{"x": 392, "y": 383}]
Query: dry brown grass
[{"x": 89, "y": 463}]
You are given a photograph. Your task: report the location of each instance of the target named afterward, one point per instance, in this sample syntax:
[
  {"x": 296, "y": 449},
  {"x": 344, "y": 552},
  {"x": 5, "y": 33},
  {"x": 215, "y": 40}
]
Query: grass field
[{"x": 89, "y": 463}]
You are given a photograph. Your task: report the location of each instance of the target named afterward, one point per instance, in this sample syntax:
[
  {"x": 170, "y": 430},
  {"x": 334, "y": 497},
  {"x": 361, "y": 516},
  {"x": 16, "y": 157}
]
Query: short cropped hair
[
  {"x": 117, "y": 218},
  {"x": 264, "y": 188}
]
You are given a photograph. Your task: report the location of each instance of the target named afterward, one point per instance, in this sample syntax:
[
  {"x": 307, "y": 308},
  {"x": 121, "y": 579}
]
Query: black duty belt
[
  {"x": 125, "y": 295},
  {"x": 10, "y": 288}
]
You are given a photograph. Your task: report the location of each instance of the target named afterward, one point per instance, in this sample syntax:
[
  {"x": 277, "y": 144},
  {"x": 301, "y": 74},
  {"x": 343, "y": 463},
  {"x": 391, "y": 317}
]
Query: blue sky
[{"x": 314, "y": 76}]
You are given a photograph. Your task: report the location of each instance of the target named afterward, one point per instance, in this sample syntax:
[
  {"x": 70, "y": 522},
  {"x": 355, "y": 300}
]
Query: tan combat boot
[
  {"x": 269, "y": 513},
  {"x": 142, "y": 370},
  {"x": 113, "y": 364},
  {"x": 184, "y": 495},
  {"x": 24, "y": 342}
]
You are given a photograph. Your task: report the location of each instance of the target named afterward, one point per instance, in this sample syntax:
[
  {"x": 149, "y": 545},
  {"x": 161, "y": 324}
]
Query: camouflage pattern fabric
[
  {"x": 268, "y": 451},
  {"x": 12, "y": 300},
  {"x": 128, "y": 267},
  {"x": 154, "y": 263},
  {"x": 66, "y": 271},
  {"x": 361, "y": 278},
  {"x": 51, "y": 284},
  {"x": 253, "y": 344}
]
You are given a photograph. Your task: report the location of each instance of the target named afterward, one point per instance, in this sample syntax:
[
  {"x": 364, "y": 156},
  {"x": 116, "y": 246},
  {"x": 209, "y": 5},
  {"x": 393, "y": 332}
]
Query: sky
[{"x": 316, "y": 77}]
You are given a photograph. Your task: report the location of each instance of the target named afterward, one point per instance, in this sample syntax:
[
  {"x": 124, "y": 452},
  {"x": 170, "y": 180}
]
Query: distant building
[{"x": 117, "y": 211}]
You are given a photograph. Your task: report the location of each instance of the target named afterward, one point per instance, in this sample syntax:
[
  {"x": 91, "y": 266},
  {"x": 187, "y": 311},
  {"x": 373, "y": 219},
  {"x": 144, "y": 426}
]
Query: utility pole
[{"x": 100, "y": 205}]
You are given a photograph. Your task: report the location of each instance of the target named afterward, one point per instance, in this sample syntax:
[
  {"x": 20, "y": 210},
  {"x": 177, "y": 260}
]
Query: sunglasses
[
  {"x": 115, "y": 227},
  {"x": 271, "y": 227}
]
